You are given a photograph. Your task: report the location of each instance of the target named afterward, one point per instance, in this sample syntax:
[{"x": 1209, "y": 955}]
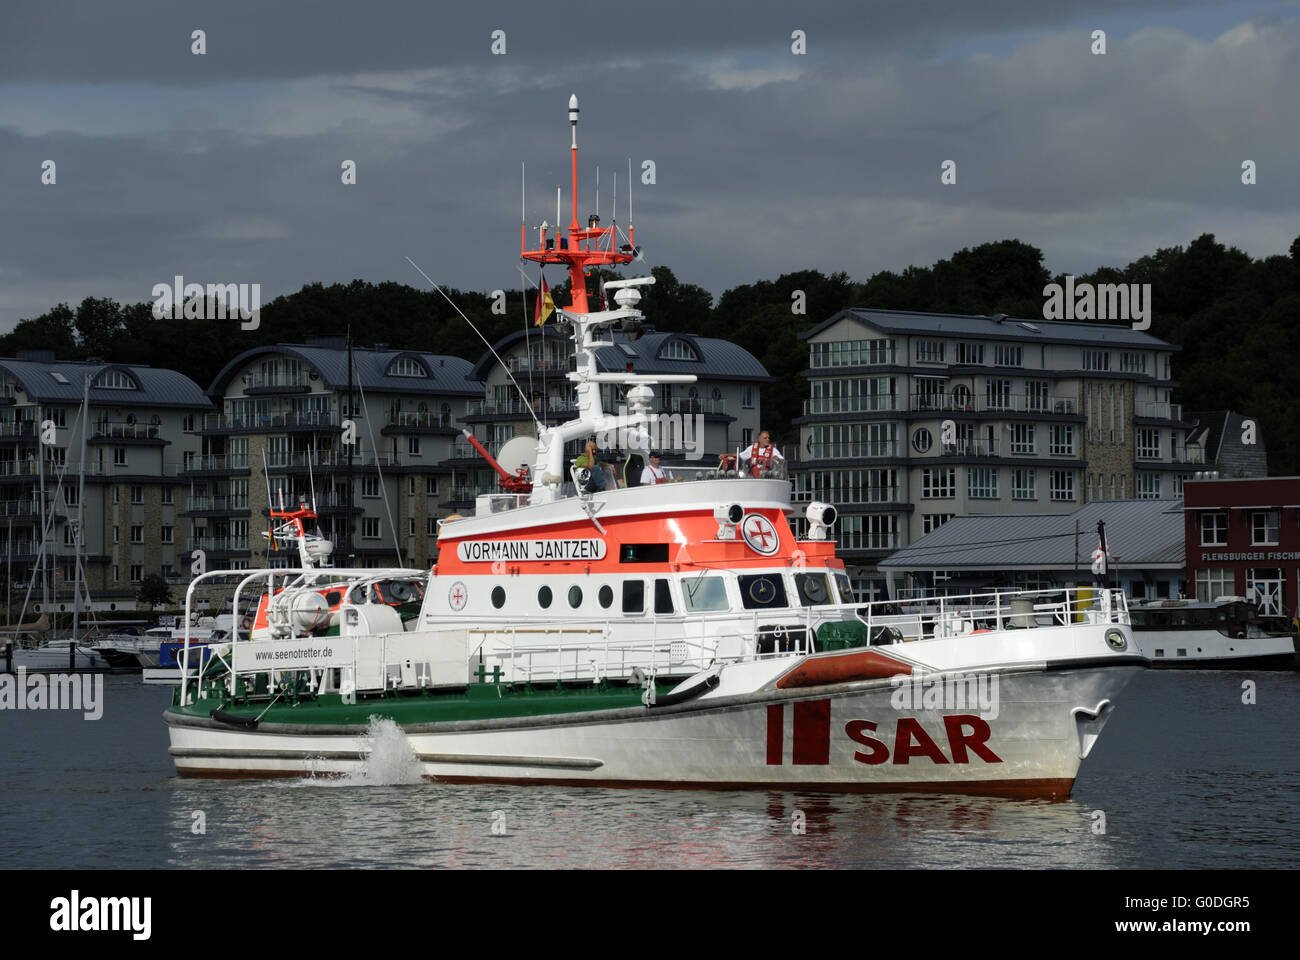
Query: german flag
[{"x": 545, "y": 305}]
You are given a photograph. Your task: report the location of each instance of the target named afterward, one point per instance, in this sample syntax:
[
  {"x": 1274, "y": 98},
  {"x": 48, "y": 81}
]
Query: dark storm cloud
[{"x": 225, "y": 168}]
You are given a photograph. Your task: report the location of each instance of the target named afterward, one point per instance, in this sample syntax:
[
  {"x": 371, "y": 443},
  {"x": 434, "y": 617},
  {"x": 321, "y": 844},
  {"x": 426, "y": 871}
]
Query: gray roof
[
  {"x": 1140, "y": 533},
  {"x": 719, "y": 359},
  {"x": 157, "y": 387},
  {"x": 449, "y": 376},
  {"x": 986, "y": 328}
]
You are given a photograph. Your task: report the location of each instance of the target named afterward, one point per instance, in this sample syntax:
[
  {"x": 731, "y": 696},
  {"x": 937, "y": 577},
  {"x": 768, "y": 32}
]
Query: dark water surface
[{"x": 1185, "y": 775}]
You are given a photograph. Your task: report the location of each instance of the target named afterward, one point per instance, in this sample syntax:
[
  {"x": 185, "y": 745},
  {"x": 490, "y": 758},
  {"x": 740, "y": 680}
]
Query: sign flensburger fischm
[{"x": 490, "y": 551}]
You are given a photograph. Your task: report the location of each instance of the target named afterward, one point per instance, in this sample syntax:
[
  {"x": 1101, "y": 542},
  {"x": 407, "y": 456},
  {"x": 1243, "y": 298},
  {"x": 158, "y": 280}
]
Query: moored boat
[
  {"x": 1227, "y": 633},
  {"x": 675, "y": 634}
]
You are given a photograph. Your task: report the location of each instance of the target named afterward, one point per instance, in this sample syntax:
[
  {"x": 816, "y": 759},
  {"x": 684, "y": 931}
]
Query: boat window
[
  {"x": 575, "y": 596},
  {"x": 498, "y": 597},
  {"x": 643, "y": 553},
  {"x": 606, "y": 596},
  {"x": 333, "y": 597},
  {"x": 814, "y": 588},
  {"x": 762, "y": 590},
  {"x": 1139, "y": 618},
  {"x": 663, "y": 597},
  {"x": 634, "y": 596},
  {"x": 705, "y": 593},
  {"x": 845, "y": 588},
  {"x": 544, "y": 597}
]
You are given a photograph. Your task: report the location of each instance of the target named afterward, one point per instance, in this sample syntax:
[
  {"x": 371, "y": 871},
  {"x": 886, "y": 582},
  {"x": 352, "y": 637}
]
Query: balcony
[
  {"x": 868, "y": 404},
  {"x": 410, "y": 418},
  {"x": 218, "y": 544},
  {"x": 125, "y": 430},
  {"x": 546, "y": 407},
  {"x": 975, "y": 448},
  {"x": 276, "y": 383},
  {"x": 462, "y": 450},
  {"x": 846, "y": 494},
  {"x": 1157, "y": 410},
  {"x": 219, "y": 423},
  {"x": 943, "y": 403},
  {"x": 468, "y": 494},
  {"x": 23, "y": 429},
  {"x": 214, "y": 504},
  {"x": 19, "y": 508},
  {"x": 215, "y": 462},
  {"x": 694, "y": 405},
  {"x": 535, "y": 365},
  {"x": 852, "y": 449},
  {"x": 302, "y": 460}
]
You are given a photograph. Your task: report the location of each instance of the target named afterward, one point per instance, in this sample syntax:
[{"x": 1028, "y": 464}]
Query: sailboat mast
[
  {"x": 81, "y": 521},
  {"x": 347, "y": 520}
]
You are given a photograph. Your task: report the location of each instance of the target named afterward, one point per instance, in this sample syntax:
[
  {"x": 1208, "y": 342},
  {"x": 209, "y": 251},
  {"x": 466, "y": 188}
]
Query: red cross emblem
[
  {"x": 457, "y": 596},
  {"x": 760, "y": 534}
]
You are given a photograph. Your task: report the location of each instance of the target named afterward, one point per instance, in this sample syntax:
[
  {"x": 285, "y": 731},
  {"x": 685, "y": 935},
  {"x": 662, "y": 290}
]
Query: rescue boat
[{"x": 669, "y": 635}]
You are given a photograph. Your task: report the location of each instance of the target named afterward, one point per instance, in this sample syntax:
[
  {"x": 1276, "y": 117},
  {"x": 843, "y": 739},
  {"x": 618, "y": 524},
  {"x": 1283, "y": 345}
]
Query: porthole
[
  {"x": 544, "y": 597},
  {"x": 606, "y": 596},
  {"x": 498, "y": 597},
  {"x": 575, "y": 596},
  {"x": 921, "y": 440}
]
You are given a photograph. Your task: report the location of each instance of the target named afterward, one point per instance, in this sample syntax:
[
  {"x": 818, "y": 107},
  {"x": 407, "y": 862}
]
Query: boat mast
[{"x": 81, "y": 520}]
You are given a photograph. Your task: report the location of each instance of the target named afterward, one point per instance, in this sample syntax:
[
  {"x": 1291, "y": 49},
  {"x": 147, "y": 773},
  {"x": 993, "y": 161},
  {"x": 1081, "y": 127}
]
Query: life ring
[{"x": 246, "y": 623}]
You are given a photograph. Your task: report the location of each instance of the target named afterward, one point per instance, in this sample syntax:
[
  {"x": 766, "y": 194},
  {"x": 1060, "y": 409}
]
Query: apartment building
[
  {"x": 720, "y": 412},
  {"x": 915, "y": 418},
  {"x": 135, "y": 500},
  {"x": 362, "y": 432}
]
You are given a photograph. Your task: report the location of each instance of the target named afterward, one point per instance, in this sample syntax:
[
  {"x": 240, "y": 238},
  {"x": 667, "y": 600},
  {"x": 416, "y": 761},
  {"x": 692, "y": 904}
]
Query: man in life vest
[
  {"x": 762, "y": 456},
  {"x": 653, "y": 473}
]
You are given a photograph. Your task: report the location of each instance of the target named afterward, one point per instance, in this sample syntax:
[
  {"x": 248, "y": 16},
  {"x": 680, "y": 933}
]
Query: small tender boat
[
  {"x": 668, "y": 635},
  {"x": 1227, "y": 633},
  {"x": 53, "y": 657}
]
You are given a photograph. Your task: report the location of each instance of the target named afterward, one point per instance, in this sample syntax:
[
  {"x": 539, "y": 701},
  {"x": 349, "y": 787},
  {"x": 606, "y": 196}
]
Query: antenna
[
  {"x": 311, "y": 477},
  {"x": 598, "y": 193},
  {"x": 523, "y": 210},
  {"x": 557, "y": 218}
]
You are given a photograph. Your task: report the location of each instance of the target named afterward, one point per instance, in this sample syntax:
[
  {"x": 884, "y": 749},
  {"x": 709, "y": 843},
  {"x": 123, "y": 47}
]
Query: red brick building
[{"x": 1243, "y": 539}]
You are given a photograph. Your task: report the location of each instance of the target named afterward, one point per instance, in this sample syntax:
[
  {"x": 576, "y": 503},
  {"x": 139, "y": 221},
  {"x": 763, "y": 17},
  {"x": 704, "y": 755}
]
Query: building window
[
  {"x": 970, "y": 353},
  {"x": 747, "y": 398},
  {"x": 1062, "y": 484},
  {"x": 678, "y": 350},
  {"x": 137, "y": 495},
  {"x": 370, "y": 486},
  {"x": 167, "y": 534},
  {"x": 851, "y": 353},
  {"x": 921, "y": 440},
  {"x": 137, "y": 572},
  {"x": 933, "y": 521},
  {"x": 1022, "y": 438},
  {"x": 168, "y": 495},
  {"x": 117, "y": 536},
  {"x": 1263, "y": 527},
  {"x": 1214, "y": 582},
  {"x": 998, "y": 394},
  {"x": 187, "y": 423},
  {"x": 982, "y": 483},
  {"x": 1214, "y": 529},
  {"x": 117, "y": 494},
  {"x": 137, "y": 533},
  {"x": 114, "y": 380},
  {"x": 413, "y": 446},
  {"x": 430, "y": 486},
  {"x": 70, "y": 495},
  {"x": 410, "y": 486},
  {"x": 929, "y": 351},
  {"x": 938, "y": 484},
  {"x": 1008, "y": 355},
  {"x": 1148, "y": 444},
  {"x": 370, "y": 528},
  {"x": 117, "y": 573},
  {"x": 1096, "y": 360},
  {"x": 1024, "y": 484},
  {"x": 119, "y": 456},
  {"x": 59, "y": 415},
  {"x": 410, "y": 526},
  {"x": 1062, "y": 440},
  {"x": 1038, "y": 395},
  {"x": 407, "y": 367},
  {"x": 1133, "y": 362},
  {"x": 1148, "y": 486},
  {"x": 431, "y": 526}
]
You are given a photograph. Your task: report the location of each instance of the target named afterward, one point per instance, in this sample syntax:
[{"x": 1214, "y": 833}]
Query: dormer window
[
  {"x": 407, "y": 367},
  {"x": 115, "y": 380},
  {"x": 678, "y": 350}
]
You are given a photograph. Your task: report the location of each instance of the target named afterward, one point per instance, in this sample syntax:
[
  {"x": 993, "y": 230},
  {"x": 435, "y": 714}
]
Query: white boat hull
[
  {"x": 1210, "y": 649},
  {"x": 819, "y": 738}
]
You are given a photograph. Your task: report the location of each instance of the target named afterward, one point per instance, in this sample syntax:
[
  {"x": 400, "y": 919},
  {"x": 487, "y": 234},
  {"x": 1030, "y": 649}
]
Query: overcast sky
[{"x": 225, "y": 167}]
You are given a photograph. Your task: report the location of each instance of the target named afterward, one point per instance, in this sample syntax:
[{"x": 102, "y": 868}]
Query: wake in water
[{"x": 390, "y": 761}]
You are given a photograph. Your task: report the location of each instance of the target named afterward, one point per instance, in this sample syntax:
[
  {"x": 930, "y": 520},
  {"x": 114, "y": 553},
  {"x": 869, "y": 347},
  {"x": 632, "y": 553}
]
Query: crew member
[
  {"x": 762, "y": 455},
  {"x": 653, "y": 473}
]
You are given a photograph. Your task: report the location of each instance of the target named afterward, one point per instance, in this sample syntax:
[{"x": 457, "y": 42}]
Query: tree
[{"x": 154, "y": 591}]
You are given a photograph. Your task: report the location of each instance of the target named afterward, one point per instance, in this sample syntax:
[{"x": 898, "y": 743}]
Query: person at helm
[
  {"x": 762, "y": 456},
  {"x": 653, "y": 473}
]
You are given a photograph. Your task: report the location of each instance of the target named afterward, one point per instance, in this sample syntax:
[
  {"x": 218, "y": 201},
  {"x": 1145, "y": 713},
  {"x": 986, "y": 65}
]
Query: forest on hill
[{"x": 1235, "y": 318}]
